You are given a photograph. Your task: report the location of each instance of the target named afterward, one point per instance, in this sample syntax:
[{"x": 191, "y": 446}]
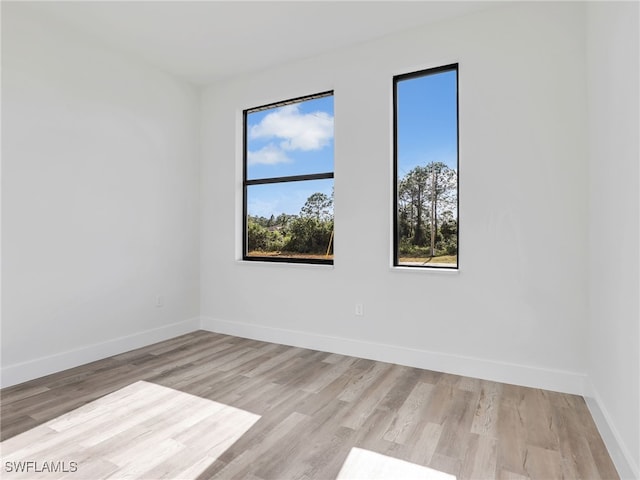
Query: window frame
[
  {"x": 396, "y": 240},
  {"x": 271, "y": 180}
]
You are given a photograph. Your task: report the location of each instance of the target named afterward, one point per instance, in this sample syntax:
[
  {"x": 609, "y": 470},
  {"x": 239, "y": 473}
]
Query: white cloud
[
  {"x": 268, "y": 155},
  {"x": 306, "y": 131}
]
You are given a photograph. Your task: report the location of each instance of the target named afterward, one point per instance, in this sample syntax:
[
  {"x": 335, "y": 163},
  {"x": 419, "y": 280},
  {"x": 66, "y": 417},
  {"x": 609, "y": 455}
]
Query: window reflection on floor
[
  {"x": 364, "y": 464},
  {"x": 143, "y": 430}
]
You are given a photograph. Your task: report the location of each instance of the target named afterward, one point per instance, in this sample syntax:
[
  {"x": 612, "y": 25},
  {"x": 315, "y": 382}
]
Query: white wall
[
  {"x": 100, "y": 200},
  {"x": 517, "y": 309},
  {"x": 100, "y": 210},
  {"x": 614, "y": 257}
]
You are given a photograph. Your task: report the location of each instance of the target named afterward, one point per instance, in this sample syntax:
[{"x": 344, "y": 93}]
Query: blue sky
[
  {"x": 298, "y": 139},
  {"x": 291, "y": 140},
  {"x": 427, "y": 121}
]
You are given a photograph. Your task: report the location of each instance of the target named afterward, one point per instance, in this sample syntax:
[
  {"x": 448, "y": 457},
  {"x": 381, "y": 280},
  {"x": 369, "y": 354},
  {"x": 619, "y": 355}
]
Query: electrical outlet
[{"x": 359, "y": 310}]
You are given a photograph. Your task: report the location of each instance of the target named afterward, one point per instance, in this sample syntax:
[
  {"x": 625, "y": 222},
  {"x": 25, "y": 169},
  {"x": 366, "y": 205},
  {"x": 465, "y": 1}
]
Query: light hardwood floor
[{"x": 308, "y": 411}]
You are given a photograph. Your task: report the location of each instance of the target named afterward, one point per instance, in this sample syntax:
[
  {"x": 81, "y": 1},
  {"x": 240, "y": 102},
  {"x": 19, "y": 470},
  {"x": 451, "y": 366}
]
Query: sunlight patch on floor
[
  {"x": 367, "y": 465},
  {"x": 143, "y": 430}
]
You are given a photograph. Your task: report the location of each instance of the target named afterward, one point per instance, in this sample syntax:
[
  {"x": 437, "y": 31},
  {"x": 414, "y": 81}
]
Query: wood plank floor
[{"x": 314, "y": 410}]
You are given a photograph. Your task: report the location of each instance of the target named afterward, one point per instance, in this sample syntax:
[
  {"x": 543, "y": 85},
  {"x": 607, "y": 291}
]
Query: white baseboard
[
  {"x": 549, "y": 379},
  {"x": 22, "y": 372},
  {"x": 620, "y": 454},
  {"x": 556, "y": 380}
]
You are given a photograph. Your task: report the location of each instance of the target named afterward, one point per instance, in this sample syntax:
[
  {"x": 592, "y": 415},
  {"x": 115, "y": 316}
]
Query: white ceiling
[{"x": 204, "y": 41}]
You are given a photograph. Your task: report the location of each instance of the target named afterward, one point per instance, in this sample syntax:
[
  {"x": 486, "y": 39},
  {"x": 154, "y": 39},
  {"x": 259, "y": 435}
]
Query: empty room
[{"x": 320, "y": 240}]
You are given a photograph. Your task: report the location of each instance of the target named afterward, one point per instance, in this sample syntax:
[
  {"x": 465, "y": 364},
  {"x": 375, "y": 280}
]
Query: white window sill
[
  {"x": 263, "y": 264},
  {"x": 423, "y": 270}
]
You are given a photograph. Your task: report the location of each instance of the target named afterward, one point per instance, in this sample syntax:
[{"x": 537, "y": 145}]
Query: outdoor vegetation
[
  {"x": 289, "y": 156},
  {"x": 427, "y": 222},
  {"x": 427, "y": 215},
  {"x": 307, "y": 235}
]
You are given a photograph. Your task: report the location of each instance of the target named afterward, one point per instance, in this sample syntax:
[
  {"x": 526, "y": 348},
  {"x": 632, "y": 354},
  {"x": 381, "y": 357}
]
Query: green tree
[
  {"x": 271, "y": 221},
  {"x": 424, "y": 194},
  {"x": 311, "y": 232},
  {"x": 309, "y": 235},
  {"x": 263, "y": 239},
  {"x": 256, "y": 236},
  {"x": 284, "y": 220},
  {"x": 411, "y": 201},
  {"x": 318, "y": 206}
]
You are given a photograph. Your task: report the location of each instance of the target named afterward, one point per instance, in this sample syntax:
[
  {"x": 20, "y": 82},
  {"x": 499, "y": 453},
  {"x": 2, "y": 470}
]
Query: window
[
  {"x": 426, "y": 168},
  {"x": 288, "y": 181}
]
